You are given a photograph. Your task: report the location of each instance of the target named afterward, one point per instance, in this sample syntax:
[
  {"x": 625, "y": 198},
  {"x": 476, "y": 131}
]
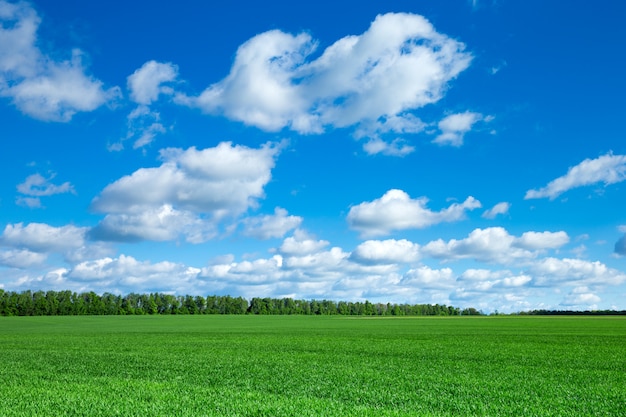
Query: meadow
[{"x": 312, "y": 366}]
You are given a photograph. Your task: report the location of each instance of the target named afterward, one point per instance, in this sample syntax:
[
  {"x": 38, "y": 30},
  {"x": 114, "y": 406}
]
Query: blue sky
[{"x": 460, "y": 152}]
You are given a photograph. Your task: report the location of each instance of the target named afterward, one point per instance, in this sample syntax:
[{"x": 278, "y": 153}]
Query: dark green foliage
[{"x": 67, "y": 303}]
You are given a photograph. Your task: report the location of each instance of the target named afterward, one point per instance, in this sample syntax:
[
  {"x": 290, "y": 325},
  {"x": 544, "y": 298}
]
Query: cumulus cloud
[
  {"x": 389, "y": 251},
  {"x": 425, "y": 277},
  {"x": 608, "y": 169},
  {"x": 498, "y": 209},
  {"x": 542, "y": 240},
  {"x": 38, "y": 85},
  {"x": 581, "y": 297},
  {"x": 551, "y": 271},
  {"x": 487, "y": 280},
  {"x": 455, "y": 126},
  {"x": 190, "y": 192},
  {"x": 35, "y": 241},
  {"x": 146, "y": 83},
  {"x": 21, "y": 258},
  {"x": 271, "y": 226},
  {"x": 495, "y": 245},
  {"x": 302, "y": 243},
  {"x": 395, "y": 210},
  {"x": 40, "y": 237},
  {"x": 127, "y": 272},
  {"x": 400, "y": 64}
]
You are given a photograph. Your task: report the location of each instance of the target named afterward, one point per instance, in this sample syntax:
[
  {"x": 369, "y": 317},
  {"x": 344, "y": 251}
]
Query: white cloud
[
  {"x": 154, "y": 223},
  {"x": 36, "y": 185},
  {"x": 484, "y": 280},
  {"x": 425, "y": 277},
  {"x": 301, "y": 243},
  {"x": 542, "y": 240},
  {"x": 455, "y": 126},
  {"x": 389, "y": 251},
  {"x": 395, "y": 210},
  {"x": 500, "y": 208},
  {"x": 143, "y": 125},
  {"x": 398, "y": 65},
  {"x": 581, "y": 297},
  {"x": 607, "y": 169},
  {"x": 42, "y": 239},
  {"x": 191, "y": 191},
  {"x": 271, "y": 226},
  {"x": 396, "y": 147},
  {"x": 127, "y": 272},
  {"x": 38, "y": 85},
  {"x": 495, "y": 245},
  {"x": 552, "y": 271},
  {"x": 21, "y": 258},
  {"x": 146, "y": 83}
]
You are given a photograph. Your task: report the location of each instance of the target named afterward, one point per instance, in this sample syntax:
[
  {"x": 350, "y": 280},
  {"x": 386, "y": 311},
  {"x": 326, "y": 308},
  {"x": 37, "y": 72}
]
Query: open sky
[{"x": 469, "y": 153}]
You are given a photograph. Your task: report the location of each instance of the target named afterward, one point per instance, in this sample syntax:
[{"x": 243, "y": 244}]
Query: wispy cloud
[
  {"x": 608, "y": 169},
  {"x": 36, "y": 186},
  {"x": 498, "y": 209}
]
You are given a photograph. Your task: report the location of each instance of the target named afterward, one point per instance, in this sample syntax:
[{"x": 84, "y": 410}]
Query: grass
[{"x": 312, "y": 366}]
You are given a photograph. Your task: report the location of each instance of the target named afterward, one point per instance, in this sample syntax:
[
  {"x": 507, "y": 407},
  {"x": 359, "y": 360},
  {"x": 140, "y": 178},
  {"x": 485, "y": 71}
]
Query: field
[{"x": 312, "y": 366}]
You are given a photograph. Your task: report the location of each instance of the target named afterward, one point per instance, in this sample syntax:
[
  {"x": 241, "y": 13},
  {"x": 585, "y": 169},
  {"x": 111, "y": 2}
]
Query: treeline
[
  {"x": 573, "y": 313},
  {"x": 68, "y": 303}
]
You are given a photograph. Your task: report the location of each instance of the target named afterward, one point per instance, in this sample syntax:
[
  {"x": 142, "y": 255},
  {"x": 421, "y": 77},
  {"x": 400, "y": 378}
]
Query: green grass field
[{"x": 312, "y": 366}]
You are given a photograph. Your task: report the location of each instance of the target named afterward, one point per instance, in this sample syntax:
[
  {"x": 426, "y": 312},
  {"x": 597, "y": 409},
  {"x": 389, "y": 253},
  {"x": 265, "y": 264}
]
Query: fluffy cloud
[
  {"x": 38, "y": 85},
  {"x": 35, "y": 241},
  {"x": 381, "y": 271},
  {"x": 146, "y": 83},
  {"x": 425, "y": 277},
  {"x": 551, "y": 271},
  {"x": 389, "y": 251},
  {"x": 398, "y": 65},
  {"x": 271, "y": 226},
  {"x": 607, "y": 169},
  {"x": 155, "y": 223},
  {"x": 500, "y": 208},
  {"x": 21, "y": 258},
  {"x": 581, "y": 297},
  {"x": 40, "y": 237},
  {"x": 190, "y": 192},
  {"x": 487, "y": 280},
  {"x": 495, "y": 245},
  {"x": 395, "y": 210},
  {"x": 127, "y": 272},
  {"x": 455, "y": 126},
  {"x": 542, "y": 240},
  {"x": 301, "y": 243}
]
